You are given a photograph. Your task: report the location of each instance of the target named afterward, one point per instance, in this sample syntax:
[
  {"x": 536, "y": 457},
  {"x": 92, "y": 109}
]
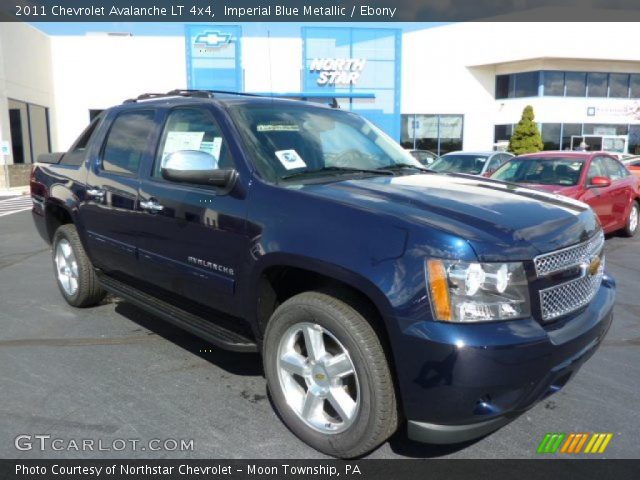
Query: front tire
[
  {"x": 328, "y": 375},
  {"x": 74, "y": 272},
  {"x": 631, "y": 227}
]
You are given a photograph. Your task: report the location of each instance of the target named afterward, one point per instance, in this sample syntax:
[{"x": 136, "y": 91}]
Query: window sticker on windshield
[
  {"x": 290, "y": 159},
  {"x": 182, "y": 141},
  {"x": 277, "y": 127}
]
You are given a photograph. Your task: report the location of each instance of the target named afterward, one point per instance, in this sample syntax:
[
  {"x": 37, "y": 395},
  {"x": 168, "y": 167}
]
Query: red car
[{"x": 596, "y": 178}]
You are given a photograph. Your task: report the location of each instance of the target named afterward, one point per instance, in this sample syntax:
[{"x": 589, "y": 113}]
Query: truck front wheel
[
  {"x": 328, "y": 375},
  {"x": 74, "y": 272}
]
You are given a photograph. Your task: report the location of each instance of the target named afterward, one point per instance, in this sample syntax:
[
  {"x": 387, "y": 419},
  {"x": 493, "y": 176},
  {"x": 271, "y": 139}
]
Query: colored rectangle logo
[{"x": 574, "y": 443}]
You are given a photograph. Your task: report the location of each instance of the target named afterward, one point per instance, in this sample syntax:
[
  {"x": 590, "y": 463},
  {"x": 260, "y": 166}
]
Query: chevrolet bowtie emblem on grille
[{"x": 591, "y": 267}]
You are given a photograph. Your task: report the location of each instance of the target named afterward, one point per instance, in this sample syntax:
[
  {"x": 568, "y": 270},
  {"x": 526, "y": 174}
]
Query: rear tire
[
  {"x": 74, "y": 272},
  {"x": 631, "y": 227},
  {"x": 328, "y": 375}
]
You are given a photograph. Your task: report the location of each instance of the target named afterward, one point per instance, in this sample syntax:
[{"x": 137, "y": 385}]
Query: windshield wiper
[
  {"x": 337, "y": 170},
  {"x": 402, "y": 166}
]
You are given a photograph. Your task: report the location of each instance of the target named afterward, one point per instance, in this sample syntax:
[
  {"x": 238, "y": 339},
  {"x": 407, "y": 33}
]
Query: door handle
[
  {"x": 95, "y": 193},
  {"x": 151, "y": 205}
]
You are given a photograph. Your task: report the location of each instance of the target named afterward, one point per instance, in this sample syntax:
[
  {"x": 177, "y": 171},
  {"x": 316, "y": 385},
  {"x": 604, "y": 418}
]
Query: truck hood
[{"x": 499, "y": 220}]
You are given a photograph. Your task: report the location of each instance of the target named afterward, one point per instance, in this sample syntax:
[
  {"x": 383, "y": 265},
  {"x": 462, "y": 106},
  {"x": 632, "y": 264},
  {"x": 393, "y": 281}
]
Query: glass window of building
[
  {"x": 450, "y": 133},
  {"x": 527, "y": 84},
  {"x": 551, "y": 135},
  {"x": 39, "y": 131},
  {"x": 634, "y": 139},
  {"x": 29, "y": 130},
  {"x": 553, "y": 84},
  {"x": 597, "y": 84},
  {"x": 504, "y": 86},
  {"x": 407, "y": 134},
  {"x": 502, "y": 132},
  {"x": 605, "y": 129},
  {"x": 19, "y": 126},
  {"x": 437, "y": 133},
  {"x": 619, "y": 85},
  {"x": 569, "y": 130},
  {"x": 576, "y": 84},
  {"x": 634, "y": 86}
]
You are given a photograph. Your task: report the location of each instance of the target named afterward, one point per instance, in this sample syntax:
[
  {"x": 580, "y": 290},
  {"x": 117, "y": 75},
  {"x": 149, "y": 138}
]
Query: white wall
[
  {"x": 271, "y": 64},
  {"x": 25, "y": 72},
  {"x": 99, "y": 71},
  {"x": 451, "y": 69}
]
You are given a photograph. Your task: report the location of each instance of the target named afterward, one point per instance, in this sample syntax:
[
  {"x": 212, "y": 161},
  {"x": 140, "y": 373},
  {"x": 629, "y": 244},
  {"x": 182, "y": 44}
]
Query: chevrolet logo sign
[
  {"x": 213, "y": 39},
  {"x": 594, "y": 266},
  {"x": 591, "y": 267}
]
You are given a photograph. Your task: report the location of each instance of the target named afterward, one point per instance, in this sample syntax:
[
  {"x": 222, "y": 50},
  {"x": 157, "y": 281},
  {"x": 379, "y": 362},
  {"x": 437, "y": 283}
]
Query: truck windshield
[
  {"x": 300, "y": 141},
  {"x": 541, "y": 171}
]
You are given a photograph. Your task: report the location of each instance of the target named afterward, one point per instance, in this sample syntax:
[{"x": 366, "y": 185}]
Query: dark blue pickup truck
[{"x": 378, "y": 292}]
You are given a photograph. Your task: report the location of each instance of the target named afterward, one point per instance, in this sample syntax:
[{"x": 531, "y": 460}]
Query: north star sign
[{"x": 338, "y": 71}]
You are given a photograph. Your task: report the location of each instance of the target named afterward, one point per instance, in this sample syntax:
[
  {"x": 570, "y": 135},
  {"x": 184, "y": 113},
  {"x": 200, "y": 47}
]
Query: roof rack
[{"x": 185, "y": 93}]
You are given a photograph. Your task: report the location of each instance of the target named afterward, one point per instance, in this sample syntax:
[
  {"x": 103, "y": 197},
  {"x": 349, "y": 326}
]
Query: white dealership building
[{"x": 434, "y": 87}]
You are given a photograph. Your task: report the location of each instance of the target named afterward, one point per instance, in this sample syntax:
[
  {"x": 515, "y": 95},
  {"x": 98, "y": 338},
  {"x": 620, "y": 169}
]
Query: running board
[{"x": 206, "y": 329}]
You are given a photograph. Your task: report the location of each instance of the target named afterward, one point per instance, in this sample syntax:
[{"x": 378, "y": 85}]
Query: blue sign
[
  {"x": 353, "y": 61},
  {"x": 213, "y": 57}
]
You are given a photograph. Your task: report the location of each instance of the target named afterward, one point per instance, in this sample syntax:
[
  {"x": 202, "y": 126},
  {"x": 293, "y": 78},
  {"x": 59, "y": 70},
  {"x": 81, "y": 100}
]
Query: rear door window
[{"x": 128, "y": 141}]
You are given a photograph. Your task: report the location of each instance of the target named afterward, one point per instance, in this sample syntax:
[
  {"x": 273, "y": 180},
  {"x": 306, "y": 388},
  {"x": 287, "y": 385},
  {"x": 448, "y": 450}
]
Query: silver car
[{"x": 472, "y": 163}]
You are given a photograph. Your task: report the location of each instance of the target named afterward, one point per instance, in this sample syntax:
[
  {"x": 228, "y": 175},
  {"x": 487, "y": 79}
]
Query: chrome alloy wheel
[
  {"x": 318, "y": 378},
  {"x": 633, "y": 217},
  {"x": 66, "y": 267}
]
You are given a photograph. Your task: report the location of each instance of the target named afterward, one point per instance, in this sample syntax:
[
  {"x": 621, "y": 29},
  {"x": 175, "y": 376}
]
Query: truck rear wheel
[
  {"x": 328, "y": 375},
  {"x": 74, "y": 272}
]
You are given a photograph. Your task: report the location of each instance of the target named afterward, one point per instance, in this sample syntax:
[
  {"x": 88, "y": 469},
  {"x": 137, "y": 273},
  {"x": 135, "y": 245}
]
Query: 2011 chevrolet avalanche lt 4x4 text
[{"x": 378, "y": 292}]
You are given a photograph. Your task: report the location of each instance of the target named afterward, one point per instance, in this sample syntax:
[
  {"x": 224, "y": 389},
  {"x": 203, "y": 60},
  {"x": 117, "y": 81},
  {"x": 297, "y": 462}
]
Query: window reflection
[
  {"x": 439, "y": 134},
  {"x": 570, "y": 84},
  {"x": 29, "y": 130}
]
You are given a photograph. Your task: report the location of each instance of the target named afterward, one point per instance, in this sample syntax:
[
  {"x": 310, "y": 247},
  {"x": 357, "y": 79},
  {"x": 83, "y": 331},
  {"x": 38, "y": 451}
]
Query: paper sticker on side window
[
  {"x": 212, "y": 148},
  {"x": 290, "y": 159},
  {"x": 182, "y": 141}
]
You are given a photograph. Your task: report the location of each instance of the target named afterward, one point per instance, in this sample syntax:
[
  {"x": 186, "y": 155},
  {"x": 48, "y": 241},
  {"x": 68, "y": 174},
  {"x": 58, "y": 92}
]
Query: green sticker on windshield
[{"x": 277, "y": 127}]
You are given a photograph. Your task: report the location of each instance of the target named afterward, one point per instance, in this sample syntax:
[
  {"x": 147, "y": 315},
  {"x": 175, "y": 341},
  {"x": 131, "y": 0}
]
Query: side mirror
[
  {"x": 198, "y": 167},
  {"x": 600, "y": 182}
]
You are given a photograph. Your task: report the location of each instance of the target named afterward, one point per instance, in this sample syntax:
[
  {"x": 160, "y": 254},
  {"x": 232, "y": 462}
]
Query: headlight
[{"x": 477, "y": 292}]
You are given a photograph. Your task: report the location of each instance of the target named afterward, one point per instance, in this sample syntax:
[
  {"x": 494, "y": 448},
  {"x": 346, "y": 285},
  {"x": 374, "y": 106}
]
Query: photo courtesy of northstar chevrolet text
[{"x": 286, "y": 234}]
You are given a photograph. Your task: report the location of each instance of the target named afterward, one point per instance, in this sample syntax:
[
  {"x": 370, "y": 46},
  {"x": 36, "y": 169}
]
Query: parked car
[
  {"x": 377, "y": 291},
  {"x": 425, "y": 157},
  {"x": 633, "y": 164},
  {"x": 596, "y": 178},
  {"x": 472, "y": 163}
]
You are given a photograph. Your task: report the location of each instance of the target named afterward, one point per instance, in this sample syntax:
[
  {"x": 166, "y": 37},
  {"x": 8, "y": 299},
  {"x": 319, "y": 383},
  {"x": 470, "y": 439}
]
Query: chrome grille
[
  {"x": 564, "y": 298},
  {"x": 569, "y": 257}
]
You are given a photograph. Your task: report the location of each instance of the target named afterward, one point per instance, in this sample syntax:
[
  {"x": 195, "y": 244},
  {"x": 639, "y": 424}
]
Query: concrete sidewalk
[{"x": 14, "y": 191}]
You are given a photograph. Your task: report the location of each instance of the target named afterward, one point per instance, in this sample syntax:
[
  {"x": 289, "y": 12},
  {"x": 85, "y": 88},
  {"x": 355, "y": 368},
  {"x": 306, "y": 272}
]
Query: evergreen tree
[{"x": 526, "y": 137}]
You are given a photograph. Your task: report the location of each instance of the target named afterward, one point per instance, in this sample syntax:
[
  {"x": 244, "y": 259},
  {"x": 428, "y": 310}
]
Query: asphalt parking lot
[{"x": 115, "y": 372}]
